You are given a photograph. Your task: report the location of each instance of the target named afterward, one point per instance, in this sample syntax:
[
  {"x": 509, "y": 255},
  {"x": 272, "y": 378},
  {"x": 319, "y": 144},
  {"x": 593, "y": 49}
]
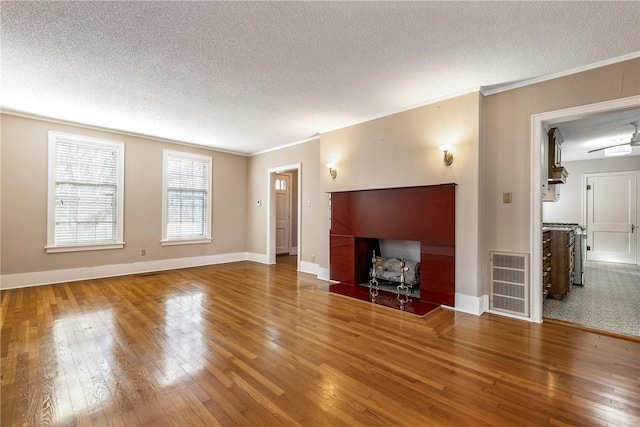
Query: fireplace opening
[{"x": 395, "y": 265}]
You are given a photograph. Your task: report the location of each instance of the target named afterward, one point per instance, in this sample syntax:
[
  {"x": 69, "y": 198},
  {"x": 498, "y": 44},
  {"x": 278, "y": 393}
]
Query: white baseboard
[
  {"x": 511, "y": 316},
  {"x": 309, "y": 267},
  {"x": 22, "y": 280},
  {"x": 261, "y": 258},
  {"x": 293, "y": 250},
  {"x": 323, "y": 273},
  {"x": 315, "y": 269},
  {"x": 471, "y": 305}
]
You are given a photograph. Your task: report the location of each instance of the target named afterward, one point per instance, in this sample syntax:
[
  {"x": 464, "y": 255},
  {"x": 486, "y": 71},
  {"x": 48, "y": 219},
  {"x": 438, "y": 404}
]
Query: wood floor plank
[{"x": 248, "y": 344}]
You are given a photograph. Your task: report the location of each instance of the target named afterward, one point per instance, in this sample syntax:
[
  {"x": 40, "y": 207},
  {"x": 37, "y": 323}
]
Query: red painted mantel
[{"x": 425, "y": 214}]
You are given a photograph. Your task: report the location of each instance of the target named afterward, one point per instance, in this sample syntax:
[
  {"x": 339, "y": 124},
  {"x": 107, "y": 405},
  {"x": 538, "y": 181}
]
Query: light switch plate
[{"x": 506, "y": 197}]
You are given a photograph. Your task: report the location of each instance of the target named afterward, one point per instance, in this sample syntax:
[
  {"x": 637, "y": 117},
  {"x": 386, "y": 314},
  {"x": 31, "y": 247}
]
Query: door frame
[
  {"x": 540, "y": 123},
  {"x": 289, "y": 220},
  {"x": 271, "y": 210},
  {"x": 585, "y": 176}
]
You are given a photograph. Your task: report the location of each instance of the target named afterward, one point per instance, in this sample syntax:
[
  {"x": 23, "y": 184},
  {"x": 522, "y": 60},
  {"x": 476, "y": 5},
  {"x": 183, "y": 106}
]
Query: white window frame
[
  {"x": 165, "y": 199},
  {"x": 119, "y": 243}
]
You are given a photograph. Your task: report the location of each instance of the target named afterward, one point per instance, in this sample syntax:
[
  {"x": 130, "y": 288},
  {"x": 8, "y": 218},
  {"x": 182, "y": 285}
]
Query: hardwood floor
[
  {"x": 287, "y": 259},
  {"x": 249, "y": 344}
]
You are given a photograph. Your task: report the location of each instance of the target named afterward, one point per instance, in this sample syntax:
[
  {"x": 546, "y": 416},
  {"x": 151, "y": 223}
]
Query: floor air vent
[{"x": 510, "y": 283}]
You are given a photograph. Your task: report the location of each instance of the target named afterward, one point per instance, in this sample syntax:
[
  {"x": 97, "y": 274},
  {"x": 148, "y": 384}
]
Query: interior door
[
  {"x": 283, "y": 212},
  {"x": 612, "y": 217}
]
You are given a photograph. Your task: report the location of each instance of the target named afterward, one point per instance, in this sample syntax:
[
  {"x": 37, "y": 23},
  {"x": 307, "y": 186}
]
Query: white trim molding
[
  {"x": 26, "y": 115},
  {"x": 290, "y": 144},
  {"x": 37, "y": 278},
  {"x": 259, "y": 258},
  {"x": 57, "y": 175},
  {"x": 468, "y": 304},
  {"x": 539, "y": 124},
  {"x": 309, "y": 267},
  {"x": 315, "y": 269},
  {"x": 271, "y": 209},
  {"x": 194, "y": 185},
  {"x": 323, "y": 273},
  {"x": 185, "y": 242},
  {"x": 523, "y": 83},
  {"x": 78, "y": 248}
]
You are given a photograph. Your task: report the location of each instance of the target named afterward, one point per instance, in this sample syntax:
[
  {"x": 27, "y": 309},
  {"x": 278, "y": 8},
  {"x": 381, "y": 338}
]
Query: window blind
[
  {"x": 187, "y": 197},
  {"x": 86, "y": 185}
]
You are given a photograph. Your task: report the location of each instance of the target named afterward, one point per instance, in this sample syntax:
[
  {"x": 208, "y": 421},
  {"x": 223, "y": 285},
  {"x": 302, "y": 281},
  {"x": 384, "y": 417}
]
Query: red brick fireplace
[{"x": 425, "y": 214}]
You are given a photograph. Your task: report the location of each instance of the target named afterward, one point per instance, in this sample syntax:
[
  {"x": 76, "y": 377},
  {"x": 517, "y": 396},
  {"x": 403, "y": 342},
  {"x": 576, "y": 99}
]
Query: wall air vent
[{"x": 510, "y": 283}]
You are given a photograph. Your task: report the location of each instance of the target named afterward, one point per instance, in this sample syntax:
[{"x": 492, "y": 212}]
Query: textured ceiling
[{"x": 250, "y": 76}]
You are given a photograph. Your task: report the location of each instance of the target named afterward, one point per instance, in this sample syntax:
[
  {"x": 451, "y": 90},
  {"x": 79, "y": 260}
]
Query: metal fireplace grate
[{"x": 510, "y": 283}]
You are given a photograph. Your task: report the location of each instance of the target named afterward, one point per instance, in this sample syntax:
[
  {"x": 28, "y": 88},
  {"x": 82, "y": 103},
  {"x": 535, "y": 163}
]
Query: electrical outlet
[
  {"x": 313, "y": 258},
  {"x": 506, "y": 197},
  {"x": 143, "y": 252}
]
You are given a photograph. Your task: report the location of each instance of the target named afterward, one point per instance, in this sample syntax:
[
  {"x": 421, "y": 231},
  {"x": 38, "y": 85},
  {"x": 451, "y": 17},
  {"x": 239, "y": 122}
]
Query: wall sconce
[
  {"x": 332, "y": 170},
  {"x": 448, "y": 157}
]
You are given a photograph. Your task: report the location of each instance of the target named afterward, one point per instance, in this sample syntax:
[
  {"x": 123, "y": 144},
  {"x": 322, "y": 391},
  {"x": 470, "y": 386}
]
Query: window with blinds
[
  {"x": 85, "y": 193},
  {"x": 187, "y": 195}
]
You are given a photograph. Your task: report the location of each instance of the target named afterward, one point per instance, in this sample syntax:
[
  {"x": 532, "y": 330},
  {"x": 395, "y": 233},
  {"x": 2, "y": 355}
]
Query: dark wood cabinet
[
  {"x": 546, "y": 262},
  {"x": 557, "y": 174},
  {"x": 562, "y": 259}
]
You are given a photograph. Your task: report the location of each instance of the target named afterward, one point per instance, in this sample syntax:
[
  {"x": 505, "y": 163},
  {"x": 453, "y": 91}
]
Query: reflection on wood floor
[
  {"x": 287, "y": 259},
  {"x": 251, "y": 344}
]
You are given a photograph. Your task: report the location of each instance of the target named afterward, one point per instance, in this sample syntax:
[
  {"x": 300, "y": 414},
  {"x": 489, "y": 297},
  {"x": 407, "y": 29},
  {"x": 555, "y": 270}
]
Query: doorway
[
  {"x": 540, "y": 124},
  {"x": 599, "y": 195},
  {"x": 284, "y": 215}
]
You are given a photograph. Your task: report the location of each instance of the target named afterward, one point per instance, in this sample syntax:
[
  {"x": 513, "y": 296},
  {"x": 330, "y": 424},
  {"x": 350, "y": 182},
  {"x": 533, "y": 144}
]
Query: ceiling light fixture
[
  {"x": 620, "y": 150},
  {"x": 633, "y": 142}
]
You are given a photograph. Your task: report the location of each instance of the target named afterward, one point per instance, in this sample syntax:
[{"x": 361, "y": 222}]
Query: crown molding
[
  {"x": 481, "y": 89},
  {"x": 291, "y": 144},
  {"x": 407, "y": 108},
  {"x": 374, "y": 117},
  {"x": 17, "y": 113},
  {"x": 523, "y": 83}
]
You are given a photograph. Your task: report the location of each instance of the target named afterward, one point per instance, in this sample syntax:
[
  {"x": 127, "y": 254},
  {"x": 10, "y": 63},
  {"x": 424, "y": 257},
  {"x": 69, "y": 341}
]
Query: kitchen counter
[{"x": 564, "y": 228}]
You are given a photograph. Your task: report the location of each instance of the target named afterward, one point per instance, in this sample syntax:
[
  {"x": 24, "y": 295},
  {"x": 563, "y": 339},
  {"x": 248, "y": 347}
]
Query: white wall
[
  {"x": 314, "y": 210},
  {"x": 569, "y": 207},
  {"x": 24, "y": 208},
  {"x": 507, "y": 146},
  {"x": 401, "y": 150}
]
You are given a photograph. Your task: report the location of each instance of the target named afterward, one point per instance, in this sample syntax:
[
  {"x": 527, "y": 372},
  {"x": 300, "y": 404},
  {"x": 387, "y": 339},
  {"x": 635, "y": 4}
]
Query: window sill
[
  {"x": 79, "y": 248},
  {"x": 185, "y": 242}
]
